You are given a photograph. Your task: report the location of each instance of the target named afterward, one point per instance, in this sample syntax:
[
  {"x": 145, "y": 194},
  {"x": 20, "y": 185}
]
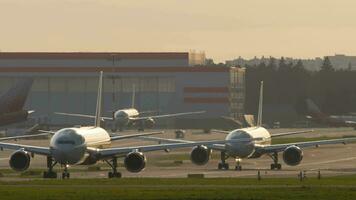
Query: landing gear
[
  {"x": 65, "y": 174},
  {"x": 275, "y": 164},
  {"x": 113, "y": 129},
  {"x": 50, "y": 164},
  {"x": 223, "y": 164},
  {"x": 113, "y": 165},
  {"x": 238, "y": 166},
  {"x": 179, "y": 133}
]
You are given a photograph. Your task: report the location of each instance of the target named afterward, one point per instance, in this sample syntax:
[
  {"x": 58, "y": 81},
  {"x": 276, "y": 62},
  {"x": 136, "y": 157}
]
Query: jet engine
[
  {"x": 20, "y": 160},
  {"x": 150, "y": 123},
  {"x": 200, "y": 155},
  {"x": 292, "y": 155},
  {"x": 135, "y": 162}
]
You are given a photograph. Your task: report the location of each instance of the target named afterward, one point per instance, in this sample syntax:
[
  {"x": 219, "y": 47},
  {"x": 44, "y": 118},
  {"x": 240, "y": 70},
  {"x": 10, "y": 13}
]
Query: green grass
[
  {"x": 39, "y": 193},
  {"x": 311, "y": 181},
  {"x": 343, "y": 187}
]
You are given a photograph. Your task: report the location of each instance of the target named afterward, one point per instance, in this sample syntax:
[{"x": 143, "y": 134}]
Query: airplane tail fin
[
  {"x": 14, "y": 98},
  {"x": 98, "y": 101},
  {"x": 133, "y": 96},
  {"x": 260, "y": 107},
  {"x": 312, "y": 107}
]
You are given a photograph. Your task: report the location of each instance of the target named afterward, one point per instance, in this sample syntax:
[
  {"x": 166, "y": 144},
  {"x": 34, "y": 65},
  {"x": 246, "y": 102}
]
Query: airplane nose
[
  {"x": 68, "y": 147},
  {"x": 122, "y": 118},
  {"x": 68, "y": 155}
]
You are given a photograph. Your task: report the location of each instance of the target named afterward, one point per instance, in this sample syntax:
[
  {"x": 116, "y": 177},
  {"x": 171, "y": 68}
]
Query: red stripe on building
[
  {"x": 94, "y": 55},
  {"x": 110, "y": 69},
  {"x": 206, "y": 90},
  {"x": 222, "y": 100}
]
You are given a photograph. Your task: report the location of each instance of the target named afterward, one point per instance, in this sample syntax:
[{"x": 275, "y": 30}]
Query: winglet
[
  {"x": 133, "y": 96},
  {"x": 260, "y": 107},
  {"x": 98, "y": 101}
]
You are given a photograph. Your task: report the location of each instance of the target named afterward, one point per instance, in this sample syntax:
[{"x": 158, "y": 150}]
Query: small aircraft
[
  {"x": 315, "y": 114},
  {"x": 131, "y": 116}
]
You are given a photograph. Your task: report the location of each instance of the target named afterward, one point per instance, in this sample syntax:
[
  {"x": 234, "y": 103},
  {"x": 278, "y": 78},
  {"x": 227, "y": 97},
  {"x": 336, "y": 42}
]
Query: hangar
[{"x": 165, "y": 82}]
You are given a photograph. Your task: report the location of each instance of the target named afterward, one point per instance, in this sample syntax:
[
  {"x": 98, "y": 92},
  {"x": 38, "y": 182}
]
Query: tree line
[{"x": 290, "y": 83}]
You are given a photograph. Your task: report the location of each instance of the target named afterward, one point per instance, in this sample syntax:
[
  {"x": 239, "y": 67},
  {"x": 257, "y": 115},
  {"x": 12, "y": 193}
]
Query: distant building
[
  {"x": 339, "y": 61},
  {"x": 165, "y": 82},
  {"x": 197, "y": 58}
]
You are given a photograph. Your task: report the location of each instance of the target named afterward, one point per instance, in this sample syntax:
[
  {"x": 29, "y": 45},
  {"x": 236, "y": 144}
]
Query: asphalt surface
[{"x": 330, "y": 160}]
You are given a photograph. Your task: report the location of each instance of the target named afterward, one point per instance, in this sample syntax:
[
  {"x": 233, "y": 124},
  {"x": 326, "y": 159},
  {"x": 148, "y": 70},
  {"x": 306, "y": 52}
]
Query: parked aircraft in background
[
  {"x": 86, "y": 145},
  {"x": 131, "y": 117},
  {"x": 315, "y": 114},
  {"x": 13, "y": 101},
  {"x": 259, "y": 145}
]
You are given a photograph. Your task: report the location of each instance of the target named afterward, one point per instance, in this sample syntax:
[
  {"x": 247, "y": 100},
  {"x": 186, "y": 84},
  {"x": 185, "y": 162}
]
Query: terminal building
[{"x": 164, "y": 82}]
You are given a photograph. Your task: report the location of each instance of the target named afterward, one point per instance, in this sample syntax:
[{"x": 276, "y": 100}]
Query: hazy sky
[{"x": 224, "y": 29}]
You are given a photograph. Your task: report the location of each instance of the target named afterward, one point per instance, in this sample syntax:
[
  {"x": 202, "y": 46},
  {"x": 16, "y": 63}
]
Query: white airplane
[
  {"x": 131, "y": 116},
  {"x": 86, "y": 146},
  {"x": 292, "y": 152}
]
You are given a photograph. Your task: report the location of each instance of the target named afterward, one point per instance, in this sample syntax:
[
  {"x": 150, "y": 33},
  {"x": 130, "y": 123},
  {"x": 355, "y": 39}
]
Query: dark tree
[
  {"x": 299, "y": 65},
  {"x": 209, "y": 62},
  {"x": 272, "y": 64},
  {"x": 327, "y": 66}
]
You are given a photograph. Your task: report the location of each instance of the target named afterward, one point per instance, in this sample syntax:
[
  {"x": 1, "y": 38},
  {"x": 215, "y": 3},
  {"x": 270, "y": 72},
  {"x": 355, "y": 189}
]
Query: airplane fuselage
[
  {"x": 69, "y": 145},
  {"x": 122, "y": 117},
  {"x": 246, "y": 149}
]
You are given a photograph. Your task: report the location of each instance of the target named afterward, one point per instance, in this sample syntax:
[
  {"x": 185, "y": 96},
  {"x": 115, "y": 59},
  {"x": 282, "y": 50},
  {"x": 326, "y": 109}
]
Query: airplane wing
[
  {"x": 350, "y": 122},
  {"x": 81, "y": 115},
  {"x": 220, "y": 131},
  {"x": 274, "y": 135},
  {"x": 164, "y": 140},
  {"x": 48, "y": 132},
  {"x": 104, "y": 153},
  {"x": 23, "y": 136},
  {"x": 32, "y": 149},
  {"x": 290, "y": 133},
  {"x": 121, "y": 137},
  {"x": 218, "y": 147},
  {"x": 282, "y": 147},
  {"x": 167, "y": 115}
]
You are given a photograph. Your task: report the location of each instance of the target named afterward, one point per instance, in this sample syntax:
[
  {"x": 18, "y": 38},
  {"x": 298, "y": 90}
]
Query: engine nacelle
[
  {"x": 150, "y": 123},
  {"x": 292, "y": 155},
  {"x": 200, "y": 155},
  {"x": 20, "y": 160},
  {"x": 135, "y": 162}
]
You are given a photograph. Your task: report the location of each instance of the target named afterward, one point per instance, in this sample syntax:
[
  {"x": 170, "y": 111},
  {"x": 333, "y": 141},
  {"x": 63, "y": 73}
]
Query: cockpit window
[{"x": 65, "y": 142}]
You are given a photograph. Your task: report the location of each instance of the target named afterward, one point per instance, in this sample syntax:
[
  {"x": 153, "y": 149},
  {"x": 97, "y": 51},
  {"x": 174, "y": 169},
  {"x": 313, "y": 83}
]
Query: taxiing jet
[
  {"x": 259, "y": 144},
  {"x": 12, "y": 103},
  {"x": 131, "y": 116},
  {"x": 315, "y": 114},
  {"x": 86, "y": 146}
]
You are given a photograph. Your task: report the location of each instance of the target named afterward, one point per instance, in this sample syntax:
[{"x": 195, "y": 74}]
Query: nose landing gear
[
  {"x": 65, "y": 173},
  {"x": 238, "y": 166}
]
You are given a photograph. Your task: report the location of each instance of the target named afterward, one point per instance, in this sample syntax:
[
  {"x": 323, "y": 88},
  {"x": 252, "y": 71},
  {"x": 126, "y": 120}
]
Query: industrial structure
[{"x": 164, "y": 82}]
